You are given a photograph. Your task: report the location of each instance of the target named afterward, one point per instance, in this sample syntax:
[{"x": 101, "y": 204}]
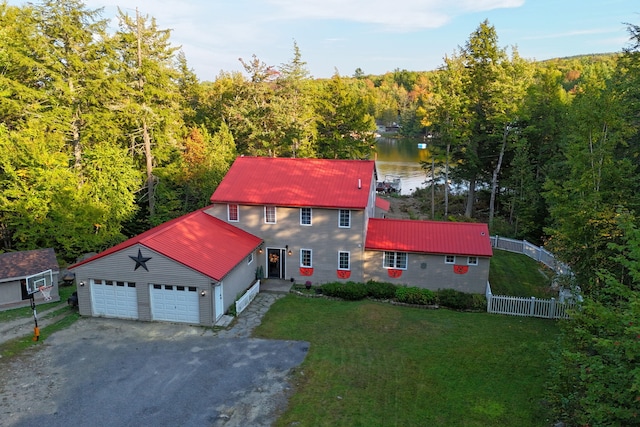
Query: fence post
[
  {"x": 532, "y": 306},
  {"x": 552, "y": 309}
]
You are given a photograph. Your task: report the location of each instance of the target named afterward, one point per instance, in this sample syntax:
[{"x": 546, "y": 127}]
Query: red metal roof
[
  {"x": 196, "y": 240},
  {"x": 297, "y": 182},
  {"x": 449, "y": 238},
  {"x": 383, "y": 204}
]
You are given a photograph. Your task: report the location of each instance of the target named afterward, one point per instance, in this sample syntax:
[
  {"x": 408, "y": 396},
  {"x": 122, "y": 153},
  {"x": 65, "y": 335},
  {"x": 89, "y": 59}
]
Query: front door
[{"x": 275, "y": 263}]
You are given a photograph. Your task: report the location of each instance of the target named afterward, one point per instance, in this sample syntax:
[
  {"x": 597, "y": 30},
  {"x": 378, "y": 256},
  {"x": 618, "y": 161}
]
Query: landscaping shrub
[
  {"x": 381, "y": 290},
  {"x": 351, "y": 291},
  {"x": 458, "y": 300},
  {"x": 415, "y": 295}
]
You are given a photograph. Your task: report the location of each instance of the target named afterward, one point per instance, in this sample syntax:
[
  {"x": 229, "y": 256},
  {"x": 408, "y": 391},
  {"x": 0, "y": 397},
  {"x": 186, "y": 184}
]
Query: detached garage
[{"x": 187, "y": 270}]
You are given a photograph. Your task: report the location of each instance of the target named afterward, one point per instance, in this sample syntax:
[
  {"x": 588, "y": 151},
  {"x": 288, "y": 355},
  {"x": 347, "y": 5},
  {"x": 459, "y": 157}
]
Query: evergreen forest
[{"x": 105, "y": 134}]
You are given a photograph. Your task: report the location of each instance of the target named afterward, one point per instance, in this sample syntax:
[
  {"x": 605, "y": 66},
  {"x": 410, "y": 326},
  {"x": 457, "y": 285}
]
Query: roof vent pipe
[{"x": 359, "y": 183}]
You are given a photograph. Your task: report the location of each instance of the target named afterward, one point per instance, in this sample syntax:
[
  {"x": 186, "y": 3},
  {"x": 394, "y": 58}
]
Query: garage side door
[
  {"x": 112, "y": 298},
  {"x": 173, "y": 303}
]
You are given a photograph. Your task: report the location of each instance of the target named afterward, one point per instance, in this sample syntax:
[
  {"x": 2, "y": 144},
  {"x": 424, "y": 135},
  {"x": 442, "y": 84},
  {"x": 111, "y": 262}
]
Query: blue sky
[{"x": 376, "y": 35}]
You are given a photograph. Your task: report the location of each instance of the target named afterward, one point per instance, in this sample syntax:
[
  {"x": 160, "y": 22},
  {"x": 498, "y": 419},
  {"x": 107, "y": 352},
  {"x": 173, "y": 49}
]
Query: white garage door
[
  {"x": 111, "y": 298},
  {"x": 174, "y": 303}
]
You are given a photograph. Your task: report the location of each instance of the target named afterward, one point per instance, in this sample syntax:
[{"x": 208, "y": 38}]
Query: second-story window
[
  {"x": 305, "y": 258},
  {"x": 305, "y": 216},
  {"x": 270, "y": 214},
  {"x": 344, "y": 220},
  {"x": 232, "y": 213}
]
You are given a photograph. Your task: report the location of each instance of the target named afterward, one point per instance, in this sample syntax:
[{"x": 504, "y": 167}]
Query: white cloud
[{"x": 398, "y": 15}]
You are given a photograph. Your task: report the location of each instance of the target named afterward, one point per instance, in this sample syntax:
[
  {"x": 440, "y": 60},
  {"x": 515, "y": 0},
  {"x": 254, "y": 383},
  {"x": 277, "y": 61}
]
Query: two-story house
[{"x": 295, "y": 219}]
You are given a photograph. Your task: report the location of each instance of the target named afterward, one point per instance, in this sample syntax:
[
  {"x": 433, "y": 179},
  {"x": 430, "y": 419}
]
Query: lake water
[{"x": 400, "y": 158}]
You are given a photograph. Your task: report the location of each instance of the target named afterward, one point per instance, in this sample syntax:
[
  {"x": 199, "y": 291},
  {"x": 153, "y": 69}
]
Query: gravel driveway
[{"x": 108, "y": 372}]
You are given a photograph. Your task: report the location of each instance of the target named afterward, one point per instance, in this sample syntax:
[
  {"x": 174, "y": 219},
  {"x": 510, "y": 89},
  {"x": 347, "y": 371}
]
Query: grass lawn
[
  {"x": 518, "y": 275},
  {"x": 375, "y": 364},
  {"x": 66, "y": 314}
]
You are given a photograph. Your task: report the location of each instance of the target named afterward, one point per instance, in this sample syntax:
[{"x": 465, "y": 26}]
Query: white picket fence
[
  {"x": 244, "y": 301},
  {"x": 540, "y": 254},
  {"x": 530, "y": 307}
]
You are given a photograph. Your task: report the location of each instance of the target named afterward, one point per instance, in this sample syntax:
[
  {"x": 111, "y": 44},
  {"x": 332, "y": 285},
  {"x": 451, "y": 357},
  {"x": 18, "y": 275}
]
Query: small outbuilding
[{"x": 16, "y": 268}]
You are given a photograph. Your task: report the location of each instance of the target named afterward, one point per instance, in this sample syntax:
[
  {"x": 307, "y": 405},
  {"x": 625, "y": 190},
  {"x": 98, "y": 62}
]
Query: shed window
[
  {"x": 395, "y": 260},
  {"x": 450, "y": 259},
  {"x": 472, "y": 260}
]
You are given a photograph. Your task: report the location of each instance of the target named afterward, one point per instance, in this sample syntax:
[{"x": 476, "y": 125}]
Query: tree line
[{"x": 106, "y": 134}]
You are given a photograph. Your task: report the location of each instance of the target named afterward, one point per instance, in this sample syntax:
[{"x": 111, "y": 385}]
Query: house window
[
  {"x": 232, "y": 213},
  {"x": 250, "y": 258},
  {"x": 305, "y": 258},
  {"x": 344, "y": 260},
  {"x": 270, "y": 214},
  {"x": 472, "y": 260},
  {"x": 395, "y": 260},
  {"x": 449, "y": 259},
  {"x": 305, "y": 216},
  {"x": 344, "y": 220}
]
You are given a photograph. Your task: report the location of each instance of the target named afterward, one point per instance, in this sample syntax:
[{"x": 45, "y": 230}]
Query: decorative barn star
[{"x": 140, "y": 260}]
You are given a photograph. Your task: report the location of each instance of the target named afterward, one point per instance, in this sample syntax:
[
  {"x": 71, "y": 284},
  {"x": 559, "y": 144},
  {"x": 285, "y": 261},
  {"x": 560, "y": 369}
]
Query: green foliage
[
  {"x": 596, "y": 379},
  {"x": 345, "y": 126},
  {"x": 415, "y": 295},
  {"x": 381, "y": 290},
  {"x": 350, "y": 291},
  {"x": 457, "y": 300}
]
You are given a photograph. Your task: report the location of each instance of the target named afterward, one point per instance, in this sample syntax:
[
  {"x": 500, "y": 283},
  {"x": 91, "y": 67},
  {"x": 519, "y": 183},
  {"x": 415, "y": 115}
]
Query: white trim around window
[
  {"x": 306, "y": 258},
  {"x": 396, "y": 260},
  {"x": 233, "y": 212},
  {"x": 344, "y": 218},
  {"x": 250, "y": 258},
  {"x": 449, "y": 259},
  {"x": 306, "y": 216},
  {"x": 472, "y": 260},
  {"x": 344, "y": 260},
  {"x": 270, "y": 215}
]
